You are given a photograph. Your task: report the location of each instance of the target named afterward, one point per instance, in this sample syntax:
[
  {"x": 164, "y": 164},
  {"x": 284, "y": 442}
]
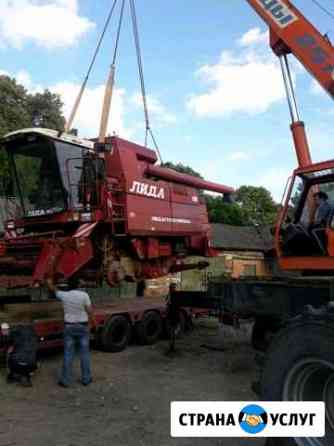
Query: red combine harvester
[{"x": 101, "y": 211}]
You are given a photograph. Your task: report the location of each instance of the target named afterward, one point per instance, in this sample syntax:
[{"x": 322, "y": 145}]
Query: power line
[{"x": 323, "y": 8}]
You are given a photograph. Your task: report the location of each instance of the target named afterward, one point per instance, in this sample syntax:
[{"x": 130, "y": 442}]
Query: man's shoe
[
  {"x": 61, "y": 384},
  {"x": 86, "y": 383}
]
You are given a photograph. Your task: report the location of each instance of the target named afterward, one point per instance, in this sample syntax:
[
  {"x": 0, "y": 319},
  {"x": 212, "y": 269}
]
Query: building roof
[{"x": 242, "y": 238}]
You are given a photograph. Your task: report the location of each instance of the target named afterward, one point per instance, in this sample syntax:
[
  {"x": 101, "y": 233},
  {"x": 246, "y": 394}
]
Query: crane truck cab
[{"x": 302, "y": 242}]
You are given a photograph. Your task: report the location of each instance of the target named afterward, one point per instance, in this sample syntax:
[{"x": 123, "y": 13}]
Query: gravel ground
[{"x": 129, "y": 401}]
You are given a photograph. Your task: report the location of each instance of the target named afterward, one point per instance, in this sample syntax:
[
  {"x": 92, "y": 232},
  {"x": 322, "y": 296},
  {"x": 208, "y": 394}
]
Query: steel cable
[
  {"x": 141, "y": 76},
  {"x": 83, "y": 86}
]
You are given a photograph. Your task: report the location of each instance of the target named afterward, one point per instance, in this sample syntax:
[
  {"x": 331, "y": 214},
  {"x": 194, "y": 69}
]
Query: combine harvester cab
[{"x": 99, "y": 211}]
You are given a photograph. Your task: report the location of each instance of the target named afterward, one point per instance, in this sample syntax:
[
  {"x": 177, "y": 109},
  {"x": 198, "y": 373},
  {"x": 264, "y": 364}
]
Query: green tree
[
  {"x": 14, "y": 112},
  {"x": 252, "y": 204},
  {"x": 179, "y": 167},
  {"x": 221, "y": 212},
  {"x": 256, "y": 204},
  {"x": 218, "y": 210},
  {"x": 18, "y": 109},
  {"x": 46, "y": 106}
]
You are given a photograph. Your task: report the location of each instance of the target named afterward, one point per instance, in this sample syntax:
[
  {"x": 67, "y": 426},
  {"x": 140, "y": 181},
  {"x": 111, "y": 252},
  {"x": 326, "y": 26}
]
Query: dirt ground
[{"x": 129, "y": 401}]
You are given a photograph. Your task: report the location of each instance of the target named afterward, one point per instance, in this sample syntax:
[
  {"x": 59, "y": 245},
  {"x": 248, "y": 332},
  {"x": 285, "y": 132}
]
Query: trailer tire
[
  {"x": 149, "y": 329},
  {"x": 116, "y": 334},
  {"x": 299, "y": 366}
]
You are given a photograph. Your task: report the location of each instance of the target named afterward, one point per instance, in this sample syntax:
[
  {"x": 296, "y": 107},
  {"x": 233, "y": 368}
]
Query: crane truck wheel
[
  {"x": 149, "y": 329},
  {"x": 116, "y": 334},
  {"x": 299, "y": 366}
]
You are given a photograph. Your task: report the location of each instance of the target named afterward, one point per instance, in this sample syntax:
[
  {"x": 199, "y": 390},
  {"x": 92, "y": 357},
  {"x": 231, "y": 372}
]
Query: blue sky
[{"x": 216, "y": 97}]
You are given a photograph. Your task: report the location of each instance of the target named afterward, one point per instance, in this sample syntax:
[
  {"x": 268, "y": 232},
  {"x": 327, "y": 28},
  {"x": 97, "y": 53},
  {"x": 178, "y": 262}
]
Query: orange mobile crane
[
  {"x": 294, "y": 310},
  {"x": 298, "y": 248}
]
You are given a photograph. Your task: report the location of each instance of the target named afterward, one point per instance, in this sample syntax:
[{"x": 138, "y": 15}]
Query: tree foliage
[
  {"x": 221, "y": 212},
  {"x": 47, "y": 107},
  {"x": 179, "y": 167},
  {"x": 256, "y": 204},
  {"x": 13, "y": 106},
  {"x": 19, "y": 109},
  {"x": 252, "y": 205}
]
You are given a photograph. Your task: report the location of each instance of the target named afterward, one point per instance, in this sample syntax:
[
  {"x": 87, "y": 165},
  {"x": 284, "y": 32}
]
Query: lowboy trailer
[{"x": 117, "y": 324}]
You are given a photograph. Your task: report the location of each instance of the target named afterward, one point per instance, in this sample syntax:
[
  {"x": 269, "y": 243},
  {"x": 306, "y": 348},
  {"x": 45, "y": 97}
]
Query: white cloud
[
  {"x": 275, "y": 180},
  {"x": 88, "y": 116},
  {"x": 238, "y": 156},
  {"x": 248, "y": 81},
  {"x": 156, "y": 109},
  {"x": 47, "y": 23},
  {"x": 72, "y": 5},
  {"x": 87, "y": 120},
  {"x": 254, "y": 36},
  {"x": 23, "y": 77}
]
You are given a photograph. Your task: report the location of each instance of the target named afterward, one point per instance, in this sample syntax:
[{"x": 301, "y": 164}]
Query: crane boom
[{"x": 291, "y": 32}]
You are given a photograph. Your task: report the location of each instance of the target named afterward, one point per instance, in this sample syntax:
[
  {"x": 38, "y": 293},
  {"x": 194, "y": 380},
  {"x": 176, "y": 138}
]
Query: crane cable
[
  {"x": 83, "y": 86},
  {"x": 141, "y": 76},
  {"x": 118, "y": 32}
]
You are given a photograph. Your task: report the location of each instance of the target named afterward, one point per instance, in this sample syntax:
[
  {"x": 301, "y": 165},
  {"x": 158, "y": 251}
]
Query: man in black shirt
[
  {"x": 21, "y": 354},
  {"x": 323, "y": 209}
]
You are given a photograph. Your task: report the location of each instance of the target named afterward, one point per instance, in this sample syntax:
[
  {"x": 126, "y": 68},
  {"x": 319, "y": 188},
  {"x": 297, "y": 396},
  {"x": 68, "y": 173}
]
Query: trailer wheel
[
  {"x": 116, "y": 334},
  {"x": 149, "y": 329},
  {"x": 299, "y": 366}
]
